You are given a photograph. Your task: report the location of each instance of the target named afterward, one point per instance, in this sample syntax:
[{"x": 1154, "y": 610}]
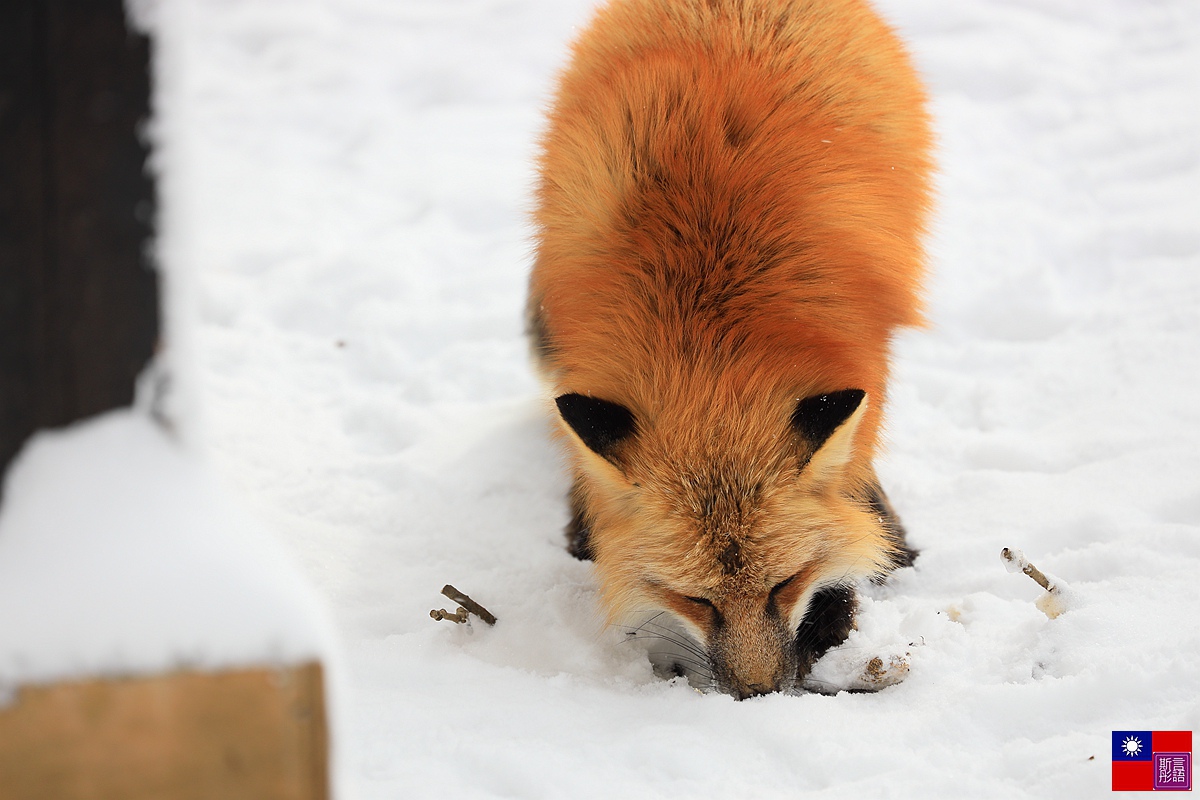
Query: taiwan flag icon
[{"x": 1145, "y": 761}]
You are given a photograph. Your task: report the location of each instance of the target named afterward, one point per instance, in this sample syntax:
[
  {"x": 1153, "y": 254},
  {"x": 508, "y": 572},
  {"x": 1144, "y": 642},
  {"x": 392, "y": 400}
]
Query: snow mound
[{"x": 119, "y": 556}]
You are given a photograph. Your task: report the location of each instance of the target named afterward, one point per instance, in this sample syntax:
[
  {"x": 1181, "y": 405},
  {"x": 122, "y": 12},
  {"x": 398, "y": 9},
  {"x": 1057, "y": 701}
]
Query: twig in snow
[
  {"x": 465, "y": 605},
  {"x": 459, "y": 616},
  {"x": 1057, "y": 598},
  {"x": 1015, "y": 560}
]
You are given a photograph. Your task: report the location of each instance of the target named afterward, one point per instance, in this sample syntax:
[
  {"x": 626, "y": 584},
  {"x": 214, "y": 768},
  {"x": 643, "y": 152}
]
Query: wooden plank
[{"x": 255, "y": 733}]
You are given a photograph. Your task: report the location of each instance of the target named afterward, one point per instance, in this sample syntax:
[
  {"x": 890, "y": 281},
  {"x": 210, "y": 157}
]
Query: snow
[
  {"x": 120, "y": 555},
  {"x": 349, "y": 182}
]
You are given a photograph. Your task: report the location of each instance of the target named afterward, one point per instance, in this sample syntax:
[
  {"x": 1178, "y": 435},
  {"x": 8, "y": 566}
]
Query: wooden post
[
  {"x": 78, "y": 295},
  {"x": 252, "y": 734}
]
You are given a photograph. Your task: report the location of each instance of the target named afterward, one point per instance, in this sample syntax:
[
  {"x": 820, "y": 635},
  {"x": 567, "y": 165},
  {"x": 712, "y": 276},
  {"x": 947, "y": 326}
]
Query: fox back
[{"x": 729, "y": 218}]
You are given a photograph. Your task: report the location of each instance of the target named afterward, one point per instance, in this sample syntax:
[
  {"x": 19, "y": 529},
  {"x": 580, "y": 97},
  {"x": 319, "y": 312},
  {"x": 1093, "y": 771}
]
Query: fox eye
[
  {"x": 600, "y": 424},
  {"x": 817, "y": 417},
  {"x": 779, "y": 587},
  {"x": 785, "y": 593},
  {"x": 705, "y": 610}
]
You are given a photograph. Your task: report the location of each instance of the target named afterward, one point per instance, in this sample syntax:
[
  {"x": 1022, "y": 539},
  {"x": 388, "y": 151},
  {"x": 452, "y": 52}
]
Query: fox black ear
[
  {"x": 817, "y": 417},
  {"x": 600, "y": 424}
]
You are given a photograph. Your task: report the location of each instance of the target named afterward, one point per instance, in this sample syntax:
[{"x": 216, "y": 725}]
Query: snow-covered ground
[{"x": 348, "y": 181}]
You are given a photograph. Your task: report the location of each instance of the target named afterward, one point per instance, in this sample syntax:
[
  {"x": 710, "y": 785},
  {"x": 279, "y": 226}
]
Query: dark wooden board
[{"x": 78, "y": 293}]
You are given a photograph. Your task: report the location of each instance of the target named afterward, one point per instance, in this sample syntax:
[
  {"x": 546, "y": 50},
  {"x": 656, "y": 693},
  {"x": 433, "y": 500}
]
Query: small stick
[
  {"x": 1058, "y": 598},
  {"x": 469, "y": 604},
  {"x": 459, "y": 616},
  {"x": 1017, "y": 559}
]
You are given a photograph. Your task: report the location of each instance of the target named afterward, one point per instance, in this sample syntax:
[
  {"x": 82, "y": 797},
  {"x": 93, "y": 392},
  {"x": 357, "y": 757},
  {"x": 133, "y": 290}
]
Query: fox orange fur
[{"x": 730, "y": 213}]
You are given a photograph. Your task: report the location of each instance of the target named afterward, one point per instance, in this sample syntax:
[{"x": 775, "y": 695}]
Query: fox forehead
[{"x": 722, "y": 534}]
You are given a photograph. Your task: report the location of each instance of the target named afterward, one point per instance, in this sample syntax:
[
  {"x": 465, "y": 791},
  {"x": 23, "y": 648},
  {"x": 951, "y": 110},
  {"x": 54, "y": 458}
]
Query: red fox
[{"x": 729, "y": 222}]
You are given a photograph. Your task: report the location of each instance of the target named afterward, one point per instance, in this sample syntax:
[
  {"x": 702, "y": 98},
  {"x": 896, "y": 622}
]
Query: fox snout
[{"x": 752, "y": 652}]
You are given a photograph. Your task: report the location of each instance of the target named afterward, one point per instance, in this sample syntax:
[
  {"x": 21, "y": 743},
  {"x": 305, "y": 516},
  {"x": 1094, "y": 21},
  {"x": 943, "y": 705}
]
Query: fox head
[{"x": 730, "y": 519}]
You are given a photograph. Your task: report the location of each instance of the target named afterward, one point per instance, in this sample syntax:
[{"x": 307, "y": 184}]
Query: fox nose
[{"x": 754, "y": 690}]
